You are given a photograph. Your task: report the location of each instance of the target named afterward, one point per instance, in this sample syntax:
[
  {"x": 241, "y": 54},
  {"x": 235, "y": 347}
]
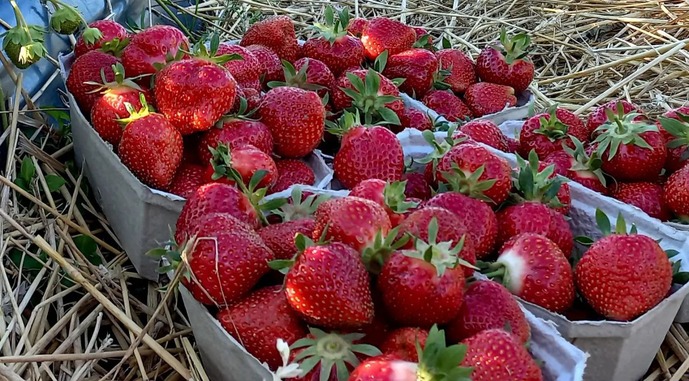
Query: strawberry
[
  {"x": 423, "y": 286},
  {"x": 152, "y": 47},
  {"x": 645, "y": 196},
  {"x": 247, "y": 70},
  {"x": 537, "y": 181},
  {"x": 675, "y": 130},
  {"x": 485, "y": 98},
  {"x": 481, "y": 222},
  {"x": 112, "y": 105},
  {"x": 488, "y": 305},
  {"x": 402, "y": 342},
  {"x": 112, "y": 34},
  {"x": 583, "y": 167},
  {"x": 292, "y": 172},
  {"x": 487, "y": 132},
  {"x": 535, "y": 269},
  {"x": 507, "y": 63},
  {"x": 599, "y": 116},
  {"x": 271, "y": 67},
  {"x": 623, "y": 274},
  {"x": 423, "y": 38},
  {"x": 353, "y": 221},
  {"x": 308, "y": 74},
  {"x": 631, "y": 150},
  {"x": 259, "y": 320},
  {"x": 383, "y": 34},
  {"x": 475, "y": 170},
  {"x": 188, "y": 178},
  {"x": 246, "y": 160},
  {"x": 534, "y": 217},
  {"x": 445, "y": 103},
  {"x": 295, "y": 134},
  {"x": 190, "y": 104},
  {"x": 676, "y": 194},
  {"x": 356, "y": 26},
  {"x": 547, "y": 132},
  {"x": 431, "y": 364},
  {"x": 222, "y": 244},
  {"x": 417, "y": 67},
  {"x": 512, "y": 145},
  {"x": 416, "y": 186},
  {"x": 308, "y": 285},
  {"x": 461, "y": 71},
  {"x": 253, "y": 99},
  {"x": 366, "y": 152},
  {"x": 214, "y": 198},
  {"x": 496, "y": 355},
  {"x": 88, "y": 73},
  {"x": 151, "y": 148},
  {"x": 416, "y": 119},
  {"x": 388, "y": 195},
  {"x": 277, "y": 34},
  {"x": 374, "y": 95},
  {"x": 333, "y": 45},
  {"x": 235, "y": 131}
]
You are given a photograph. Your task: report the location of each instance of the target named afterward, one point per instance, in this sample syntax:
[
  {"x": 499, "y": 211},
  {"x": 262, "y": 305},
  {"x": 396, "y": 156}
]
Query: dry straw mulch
[{"x": 72, "y": 308}]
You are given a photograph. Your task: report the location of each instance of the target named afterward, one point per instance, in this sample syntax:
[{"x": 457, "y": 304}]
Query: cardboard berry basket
[
  {"x": 225, "y": 359},
  {"x": 140, "y": 216},
  {"x": 620, "y": 351}
]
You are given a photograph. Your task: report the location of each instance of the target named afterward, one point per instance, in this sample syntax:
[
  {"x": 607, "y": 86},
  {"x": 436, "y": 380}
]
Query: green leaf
[
  {"x": 603, "y": 222},
  {"x": 89, "y": 248},
  {"x": 27, "y": 171},
  {"x": 27, "y": 262},
  {"x": 22, "y": 184},
  {"x": 54, "y": 182}
]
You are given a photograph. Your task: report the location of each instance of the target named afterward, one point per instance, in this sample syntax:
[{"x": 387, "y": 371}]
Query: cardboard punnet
[
  {"x": 140, "y": 216},
  {"x": 225, "y": 359}
]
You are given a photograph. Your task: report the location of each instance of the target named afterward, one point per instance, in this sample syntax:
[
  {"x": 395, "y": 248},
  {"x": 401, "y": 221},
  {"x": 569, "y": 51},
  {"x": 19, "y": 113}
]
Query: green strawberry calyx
[
  {"x": 442, "y": 255},
  {"x": 334, "y": 26},
  {"x": 135, "y": 114},
  {"x": 294, "y": 78},
  {"x": 201, "y": 51},
  {"x": 467, "y": 182},
  {"x": 606, "y": 229},
  {"x": 176, "y": 255},
  {"x": 440, "y": 148},
  {"x": 366, "y": 99},
  {"x": 551, "y": 127},
  {"x": 23, "y": 43},
  {"x": 67, "y": 19},
  {"x": 395, "y": 199},
  {"x": 378, "y": 251},
  {"x": 585, "y": 163},
  {"x": 515, "y": 47},
  {"x": 679, "y": 129},
  {"x": 120, "y": 81},
  {"x": 347, "y": 122},
  {"x": 302, "y": 243},
  {"x": 439, "y": 361},
  {"x": 678, "y": 276},
  {"x": 534, "y": 185},
  {"x": 621, "y": 129},
  {"x": 300, "y": 207},
  {"x": 330, "y": 350},
  {"x": 424, "y": 42}
]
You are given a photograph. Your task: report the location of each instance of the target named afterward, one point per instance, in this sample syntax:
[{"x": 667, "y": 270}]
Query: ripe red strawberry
[
  {"x": 418, "y": 68},
  {"x": 187, "y": 180},
  {"x": 356, "y": 26},
  {"x": 487, "y": 132},
  {"x": 488, "y": 305},
  {"x": 235, "y": 132},
  {"x": 512, "y": 145},
  {"x": 246, "y": 160},
  {"x": 461, "y": 71},
  {"x": 309, "y": 290},
  {"x": 151, "y": 148},
  {"x": 449, "y": 228},
  {"x": 152, "y": 47},
  {"x": 351, "y": 220},
  {"x": 416, "y": 186},
  {"x": 112, "y": 34},
  {"x": 226, "y": 259},
  {"x": 498, "y": 355},
  {"x": 599, "y": 115},
  {"x": 534, "y": 217},
  {"x": 271, "y": 67},
  {"x": 416, "y": 119},
  {"x": 275, "y": 33},
  {"x": 477, "y": 216},
  {"x": 401, "y": 343},
  {"x": 333, "y": 45},
  {"x": 422, "y": 290},
  {"x": 676, "y": 193},
  {"x": 388, "y": 195},
  {"x": 675, "y": 129},
  {"x": 89, "y": 72},
  {"x": 631, "y": 150},
  {"x": 383, "y": 34},
  {"x": 292, "y": 172},
  {"x": 296, "y": 119},
  {"x": 547, "y": 132},
  {"x": 214, "y": 198},
  {"x": 190, "y": 104},
  {"x": 485, "y": 98},
  {"x": 366, "y": 152},
  {"x": 448, "y": 105},
  {"x": 536, "y": 270},
  {"x": 481, "y": 173},
  {"x": 280, "y": 237},
  {"x": 561, "y": 162},
  {"x": 259, "y": 320},
  {"x": 507, "y": 63},
  {"x": 645, "y": 196},
  {"x": 112, "y": 105},
  {"x": 583, "y": 167},
  {"x": 623, "y": 275},
  {"x": 371, "y": 93},
  {"x": 308, "y": 74},
  {"x": 247, "y": 70}
]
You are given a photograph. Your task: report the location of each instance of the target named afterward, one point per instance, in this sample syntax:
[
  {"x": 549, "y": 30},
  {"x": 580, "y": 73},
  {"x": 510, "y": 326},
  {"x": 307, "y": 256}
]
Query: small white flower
[{"x": 287, "y": 370}]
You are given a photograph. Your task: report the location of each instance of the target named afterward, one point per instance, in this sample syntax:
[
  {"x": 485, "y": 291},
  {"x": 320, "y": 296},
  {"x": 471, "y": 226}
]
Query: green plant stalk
[
  {"x": 18, "y": 14},
  {"x": 163, "y": 4}
]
